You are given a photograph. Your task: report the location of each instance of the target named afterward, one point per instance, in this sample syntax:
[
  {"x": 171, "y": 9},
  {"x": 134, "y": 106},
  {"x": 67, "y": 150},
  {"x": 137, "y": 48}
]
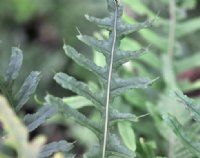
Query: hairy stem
[
  {"x": 172, "y": 27},
  {"x": 109, "y": 81}
]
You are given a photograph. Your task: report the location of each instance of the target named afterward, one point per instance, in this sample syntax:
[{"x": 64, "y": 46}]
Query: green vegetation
[{"x": 130, "y": 98}]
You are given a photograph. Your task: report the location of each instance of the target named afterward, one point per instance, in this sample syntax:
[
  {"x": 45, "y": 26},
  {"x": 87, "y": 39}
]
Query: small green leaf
[
  {"x": 116, "y": 116},
  {"x": 34, "y": 120},
  {"x": 122, "y": 28},
  {"x": 117, "y": 149},
  {"x": 100, "y": 45},
  {"x": 68, "y": 112},
  {"x": 51, "y": 148},
  {"x": 125, "y": 56},
  {"x": 27, "y": 89},
  {"x": 123, "y": 85},
  {"x": 14, "y": 64},
  {"x": 127, "y": 134},
  {"x": 77, "y": 102},
  {"x": 86, "y": 63},
  {"x": 80, "y": 88}
]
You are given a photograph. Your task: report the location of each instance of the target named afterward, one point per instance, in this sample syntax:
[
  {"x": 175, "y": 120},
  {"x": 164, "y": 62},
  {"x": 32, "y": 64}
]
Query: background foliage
[{"x": 39, "y": 29}]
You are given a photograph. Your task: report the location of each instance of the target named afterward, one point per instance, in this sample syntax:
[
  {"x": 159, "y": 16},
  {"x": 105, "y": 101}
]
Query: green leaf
[
  {"x": 77, "y": 102},
  {"x": 181, "y": 134},
  {"x": 188, "y": 27},
  {"x": 125, "y": 56},
  {"x": 191, "y": 105},
  {"x": 116, "y": 116},
  {"x": 68, "y": 112},
  {"x": 122, "y": 28},
  {"x": 35, "y": 120},
  {"x": 14, "y": 65},
  {"x": 99, "y": 45},
  {"x": 49, "y": 149},
  {"x": 127, "y": 134},
  {"x": 86, "y": 63},
  {"x": 27, "y": 89},
  {"x": 17, "y": 134},
  {"x": 123, "y": 85},
  {"x": 115, "y": 148},
  {"x": 80, "y": 88}
]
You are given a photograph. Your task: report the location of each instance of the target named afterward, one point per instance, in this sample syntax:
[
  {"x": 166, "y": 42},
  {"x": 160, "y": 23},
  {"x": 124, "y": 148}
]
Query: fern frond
[{"x": 111, "y": 84}]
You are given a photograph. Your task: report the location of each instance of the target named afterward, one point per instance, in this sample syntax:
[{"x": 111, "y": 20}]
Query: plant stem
[
  {"x": 172, "y": 27},
  {"x": 109, "y": 81},
  {"x": 171, "y": 44}
]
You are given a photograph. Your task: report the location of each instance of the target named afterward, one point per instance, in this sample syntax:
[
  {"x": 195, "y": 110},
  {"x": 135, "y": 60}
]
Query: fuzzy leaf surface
[
  {"x": 68, "y": 112},
  {"x": 122, "y": 57},
  {"x": 123, "y": 28},
  {"x": 123, "y": 85},
  {"x": 27, "y": 89},
  {"x": 35, "y": 120},
  {"x": 100, "y": 45},
  {"x": 14, "y": 64},
  {"x": 80, "y": 88},
  {"x": 83, "y": 61}
]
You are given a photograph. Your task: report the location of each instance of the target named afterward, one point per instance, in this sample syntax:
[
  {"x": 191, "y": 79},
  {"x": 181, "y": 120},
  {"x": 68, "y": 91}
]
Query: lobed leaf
[
  {"x": 68, "y": 112},
  {"x": 27, "y": 89},
  {"x": 122, "y": 57},
  {"x": 123, "y": 85},
  {"x": 123, "y": 29},
  {"x": 99, "y": 45},
  {"x": 80, "y": 88},
  {"x": 86, "y": 63}
]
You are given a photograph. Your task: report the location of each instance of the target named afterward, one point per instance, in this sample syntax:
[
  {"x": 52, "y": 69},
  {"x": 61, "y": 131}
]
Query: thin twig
[{"x": 109, "y": 81}]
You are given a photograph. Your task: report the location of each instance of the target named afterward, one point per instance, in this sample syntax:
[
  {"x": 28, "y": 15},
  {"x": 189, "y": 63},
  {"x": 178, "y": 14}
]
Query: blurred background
[{"x": 40, "y": 28}]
